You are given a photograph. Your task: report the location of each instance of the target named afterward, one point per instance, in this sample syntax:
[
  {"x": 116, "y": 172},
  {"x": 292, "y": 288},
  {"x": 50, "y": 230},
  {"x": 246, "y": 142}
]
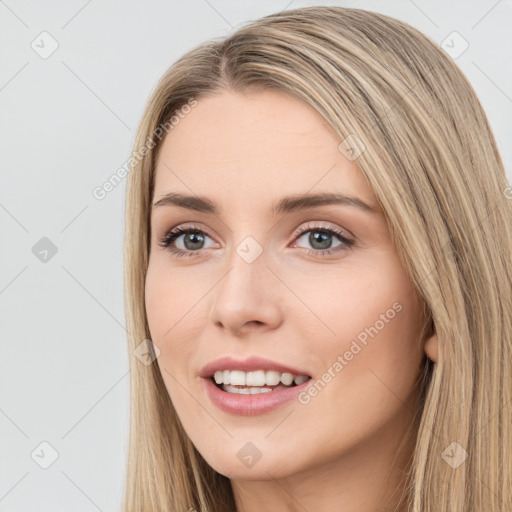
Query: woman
[{"x": 318, "y": 260}]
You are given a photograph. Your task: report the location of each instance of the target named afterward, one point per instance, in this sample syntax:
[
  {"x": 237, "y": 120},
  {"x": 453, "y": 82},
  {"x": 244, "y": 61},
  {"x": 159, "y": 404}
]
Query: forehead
[{"x": 266, "y": 143}]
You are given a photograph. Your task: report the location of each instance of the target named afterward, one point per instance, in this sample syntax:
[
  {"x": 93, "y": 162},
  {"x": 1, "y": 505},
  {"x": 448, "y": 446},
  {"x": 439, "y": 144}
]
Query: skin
[{"x": 340, "y": 451}]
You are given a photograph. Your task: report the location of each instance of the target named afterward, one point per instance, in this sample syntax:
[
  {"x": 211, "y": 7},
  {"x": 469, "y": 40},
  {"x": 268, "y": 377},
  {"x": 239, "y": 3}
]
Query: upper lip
[{"x": 252, "y": 363}]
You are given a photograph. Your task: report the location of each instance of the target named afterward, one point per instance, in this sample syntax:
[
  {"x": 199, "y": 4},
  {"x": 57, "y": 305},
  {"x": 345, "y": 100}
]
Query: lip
[
  {"x": 250, "y": 364},
  {"x": 250, "y": 405}
]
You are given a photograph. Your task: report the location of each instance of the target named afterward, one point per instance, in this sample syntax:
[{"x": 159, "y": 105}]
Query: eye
[
  {"x": 193, "y": 240},
  {"x": 320, "y": 238}
]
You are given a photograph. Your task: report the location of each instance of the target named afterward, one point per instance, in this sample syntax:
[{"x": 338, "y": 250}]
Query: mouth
[
  {"x": 255, "y": 385},
  {"x": 239, "y": 397},
  {"x": 255, "y": 382}
]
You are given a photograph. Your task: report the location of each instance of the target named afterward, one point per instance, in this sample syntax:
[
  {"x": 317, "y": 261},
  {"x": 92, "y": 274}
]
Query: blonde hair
[{"x": 432, "y": 162}]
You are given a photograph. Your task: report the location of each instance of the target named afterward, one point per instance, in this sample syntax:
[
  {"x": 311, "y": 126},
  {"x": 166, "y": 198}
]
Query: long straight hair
[{"x": 431, "y": 159}]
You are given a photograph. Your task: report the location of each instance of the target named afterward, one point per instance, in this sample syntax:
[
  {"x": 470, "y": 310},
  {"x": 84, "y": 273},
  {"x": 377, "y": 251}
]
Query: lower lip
[{"x": 249, "y": 405}]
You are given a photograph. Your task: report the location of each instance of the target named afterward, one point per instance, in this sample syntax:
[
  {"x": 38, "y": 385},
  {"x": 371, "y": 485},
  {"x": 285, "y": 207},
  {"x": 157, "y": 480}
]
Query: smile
[
  {"x": 256, "y": 382},
  {"x": 251, "y": 400}
]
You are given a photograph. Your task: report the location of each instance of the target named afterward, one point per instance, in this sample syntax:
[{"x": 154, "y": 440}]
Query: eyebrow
[{"x": 284, "y": 205}]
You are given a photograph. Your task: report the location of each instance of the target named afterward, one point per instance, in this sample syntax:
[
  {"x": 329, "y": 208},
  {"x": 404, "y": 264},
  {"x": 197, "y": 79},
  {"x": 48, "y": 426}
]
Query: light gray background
[{"x": 67, "y": 123}]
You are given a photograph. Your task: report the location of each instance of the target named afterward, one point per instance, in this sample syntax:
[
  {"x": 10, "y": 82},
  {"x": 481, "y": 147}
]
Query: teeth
[
  {"x": 249, "y": 391},
  {"x": 287, "y": 379},
  {"x": 237, "y": 378},
  {"x": 257, "y": 378},
  {"x": 272, "y": 378}
]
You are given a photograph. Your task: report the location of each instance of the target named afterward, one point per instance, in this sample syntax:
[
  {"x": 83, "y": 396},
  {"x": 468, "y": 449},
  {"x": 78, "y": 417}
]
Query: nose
[{"x": 248, "y": 297}]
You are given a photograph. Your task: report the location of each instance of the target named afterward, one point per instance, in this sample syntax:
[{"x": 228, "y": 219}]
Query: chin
[{"x": 246, "y": 464}]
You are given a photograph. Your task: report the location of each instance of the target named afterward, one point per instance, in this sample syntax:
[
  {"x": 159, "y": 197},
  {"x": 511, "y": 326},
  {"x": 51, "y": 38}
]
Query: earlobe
[{"x": 431, "y": 348}]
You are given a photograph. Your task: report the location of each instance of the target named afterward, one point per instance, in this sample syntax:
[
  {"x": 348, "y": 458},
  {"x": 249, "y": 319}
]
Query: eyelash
[{"x": 172, "y": 235}]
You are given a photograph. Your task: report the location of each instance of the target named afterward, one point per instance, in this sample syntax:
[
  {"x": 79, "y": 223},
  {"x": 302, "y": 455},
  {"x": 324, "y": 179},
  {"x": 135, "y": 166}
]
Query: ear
[{"x": 431, "y": 348}]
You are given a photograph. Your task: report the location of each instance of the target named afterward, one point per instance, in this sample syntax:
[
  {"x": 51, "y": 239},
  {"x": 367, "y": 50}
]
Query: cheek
[
  {"x": 381, "y": 341},
  {"x": 156, "y": 296},
  {"x": 370, "y": 366},
  {"x": 170, "y": 300},
  {"x": 370, "y": 328},
  {"x": 372, "y": 299},
  {"x": 175, "y": 321},
  {"x": 169, "y": 308}
]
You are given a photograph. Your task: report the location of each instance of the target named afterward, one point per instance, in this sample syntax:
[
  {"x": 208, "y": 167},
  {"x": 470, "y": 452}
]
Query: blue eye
[
  {"x": 321, "y": 236},
  {"x": 194, "y": 239},
  {"x": 193, "y": 236},
  {"x": 322, "y": 240}
]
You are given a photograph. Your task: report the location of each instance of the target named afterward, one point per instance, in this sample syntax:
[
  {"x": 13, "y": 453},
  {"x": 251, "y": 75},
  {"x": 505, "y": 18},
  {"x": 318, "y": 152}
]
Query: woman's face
[{"x": 316, "y": 288}]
